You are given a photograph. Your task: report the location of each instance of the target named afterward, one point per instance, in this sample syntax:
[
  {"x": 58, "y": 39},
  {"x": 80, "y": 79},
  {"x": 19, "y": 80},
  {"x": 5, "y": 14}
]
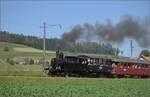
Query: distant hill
[{"x": 54, "y": 44}]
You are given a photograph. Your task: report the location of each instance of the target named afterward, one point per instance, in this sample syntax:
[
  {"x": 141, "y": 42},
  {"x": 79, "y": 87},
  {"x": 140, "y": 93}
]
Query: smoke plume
[{"x": 127, "y": 27}]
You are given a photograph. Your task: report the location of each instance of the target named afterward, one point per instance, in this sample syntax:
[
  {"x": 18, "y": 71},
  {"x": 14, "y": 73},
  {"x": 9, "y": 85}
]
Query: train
[{"x": 87, "y": 66}]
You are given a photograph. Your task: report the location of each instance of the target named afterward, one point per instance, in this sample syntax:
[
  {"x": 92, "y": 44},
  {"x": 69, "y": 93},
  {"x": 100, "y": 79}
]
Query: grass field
[
  {"x": 20, "y": 70},
  {"x": 30, "y": 80},
  {"x": 73, "y": 87}
]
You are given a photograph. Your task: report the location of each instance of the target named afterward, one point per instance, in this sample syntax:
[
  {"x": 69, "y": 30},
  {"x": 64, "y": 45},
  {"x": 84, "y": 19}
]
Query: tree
[{"x": 145, "y": 53}]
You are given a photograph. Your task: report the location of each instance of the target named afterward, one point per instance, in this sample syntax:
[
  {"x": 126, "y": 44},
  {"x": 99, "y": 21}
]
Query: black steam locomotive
[{"x": 81, "y": 65}]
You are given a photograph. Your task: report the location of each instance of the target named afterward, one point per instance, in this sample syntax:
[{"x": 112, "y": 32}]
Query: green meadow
[
  {"x": 73, "y": 87},
  {"x": 30, "y": 81}
]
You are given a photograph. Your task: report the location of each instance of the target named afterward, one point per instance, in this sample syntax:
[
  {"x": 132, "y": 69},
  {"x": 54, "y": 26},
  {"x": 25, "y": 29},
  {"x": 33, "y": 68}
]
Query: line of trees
[
  {"x": 54, "y": 44},
  {"x": 31, "y": 41}
]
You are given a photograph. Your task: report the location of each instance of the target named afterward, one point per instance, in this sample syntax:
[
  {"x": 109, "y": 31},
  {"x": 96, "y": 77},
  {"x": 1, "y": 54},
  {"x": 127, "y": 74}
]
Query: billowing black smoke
[{"x": 128, "y": 27}]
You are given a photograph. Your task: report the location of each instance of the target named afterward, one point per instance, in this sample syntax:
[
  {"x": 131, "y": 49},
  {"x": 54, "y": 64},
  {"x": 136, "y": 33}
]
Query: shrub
[
  {"x": 6, "y": 49},
  {"x": 31, "y": 61},
  {"x": 10, "y": 61}
]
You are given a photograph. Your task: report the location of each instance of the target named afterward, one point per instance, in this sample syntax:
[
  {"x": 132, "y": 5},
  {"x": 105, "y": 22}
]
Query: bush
[
  {"x": 10, "y": 61},
  {"x": 6, "y": 49},
  {"x": 31, "y": 61}
]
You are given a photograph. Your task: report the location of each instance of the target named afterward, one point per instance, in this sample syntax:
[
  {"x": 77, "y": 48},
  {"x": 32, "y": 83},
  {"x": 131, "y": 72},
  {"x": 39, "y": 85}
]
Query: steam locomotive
[{"x": 86, "y": 66}]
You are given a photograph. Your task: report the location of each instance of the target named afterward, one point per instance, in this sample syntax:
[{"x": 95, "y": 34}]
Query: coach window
[
  {"x": 104, "y": 61},
  {"x": 101, "y": 61},
  {"x": 121, "y": 65},
  {"x": 139, "y": 66},
  {"x": 81, "y": 60},
  {"x": 96, "y": 60},
  {"x": 124, "y": 65},
  {"x": 117, "y": 63},
  {"x": 133, "y": 65},
  {"x": 109, "y": 62},
  {"x": 92, "y": 61},
  {"x": 142, "y": 65},
  {"x": 113, "y": 64},
  {"x": 129, "y": 65},
  {"x": 85, "y": 61},
  {"x": 146, "y": 66}
]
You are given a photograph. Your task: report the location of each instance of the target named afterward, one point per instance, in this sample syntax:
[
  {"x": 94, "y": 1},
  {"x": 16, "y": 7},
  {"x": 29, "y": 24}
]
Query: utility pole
[
  {"x": 44, "y": 53},
  {"x": 131, "y": 45},
  {"x": 45, "y": 66}
]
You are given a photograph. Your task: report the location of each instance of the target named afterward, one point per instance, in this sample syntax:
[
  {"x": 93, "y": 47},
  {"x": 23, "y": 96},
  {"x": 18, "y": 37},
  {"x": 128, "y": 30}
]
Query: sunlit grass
[
  {"x": 73, "y": 87},
  {"x": 20, "y": 70}
]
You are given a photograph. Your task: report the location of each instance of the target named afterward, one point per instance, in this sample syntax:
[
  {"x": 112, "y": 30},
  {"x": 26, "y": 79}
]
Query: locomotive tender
[{"x": 87, "y": 66}]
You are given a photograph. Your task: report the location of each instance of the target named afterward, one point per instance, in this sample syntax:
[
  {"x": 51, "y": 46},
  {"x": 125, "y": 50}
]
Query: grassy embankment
[
  {"x": 17, "y": 52},
  {"x": 20, "y": 52}
]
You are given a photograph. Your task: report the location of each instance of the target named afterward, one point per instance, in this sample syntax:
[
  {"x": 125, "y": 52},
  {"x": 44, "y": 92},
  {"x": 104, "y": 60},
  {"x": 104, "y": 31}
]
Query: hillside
[
  {"x": 54, "y": 44},
  {"x": 20, "y": 48},
  {"x": 21, "y": 51}
]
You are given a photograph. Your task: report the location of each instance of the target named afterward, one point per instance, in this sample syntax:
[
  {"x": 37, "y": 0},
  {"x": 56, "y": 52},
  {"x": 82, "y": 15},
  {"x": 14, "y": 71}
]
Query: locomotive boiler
[{"x": 81, "y": 65}]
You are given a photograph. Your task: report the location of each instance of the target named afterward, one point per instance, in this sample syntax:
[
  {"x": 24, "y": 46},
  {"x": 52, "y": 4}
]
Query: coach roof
[{"x": 132, "y": 61}]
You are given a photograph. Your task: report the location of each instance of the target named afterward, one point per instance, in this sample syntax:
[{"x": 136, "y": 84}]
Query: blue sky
[{"x": 27, "y": 16}]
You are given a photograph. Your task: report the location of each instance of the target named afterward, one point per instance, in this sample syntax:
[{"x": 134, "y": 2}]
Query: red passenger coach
[{"x": 132, "y": 68}]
